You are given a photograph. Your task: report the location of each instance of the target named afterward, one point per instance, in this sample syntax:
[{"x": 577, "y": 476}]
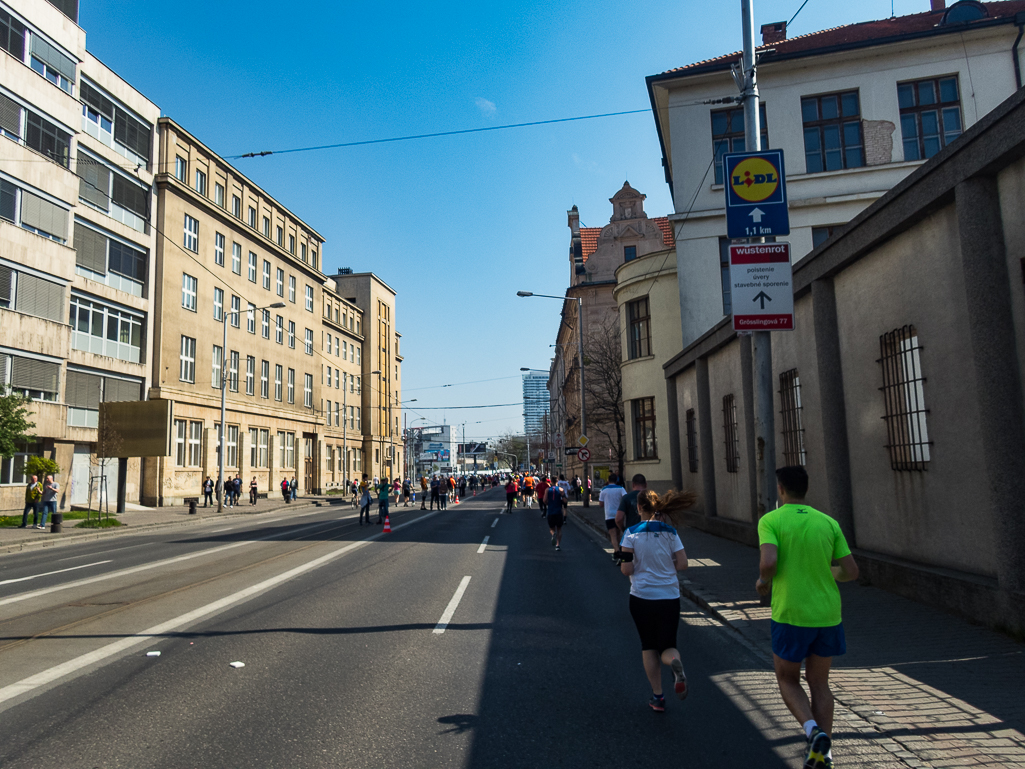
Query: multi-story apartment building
[
  {"x": 233, "y": 260},
  {"x": 855, "y": 109},
  {"x": 381, "y": 370},
  {"x": 535, "y": 402},
  {"x": 76, "y": 242}
]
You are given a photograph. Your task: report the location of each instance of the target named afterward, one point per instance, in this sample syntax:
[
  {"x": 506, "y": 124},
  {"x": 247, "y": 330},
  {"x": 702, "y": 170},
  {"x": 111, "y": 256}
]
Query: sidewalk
[
  {"x": 16, "y": 539},
  {"x": 939, "y": 691}
]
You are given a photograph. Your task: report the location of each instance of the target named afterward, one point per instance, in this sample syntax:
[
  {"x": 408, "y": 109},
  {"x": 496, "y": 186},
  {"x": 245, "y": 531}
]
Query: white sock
[{"x": 808, "y": 726}]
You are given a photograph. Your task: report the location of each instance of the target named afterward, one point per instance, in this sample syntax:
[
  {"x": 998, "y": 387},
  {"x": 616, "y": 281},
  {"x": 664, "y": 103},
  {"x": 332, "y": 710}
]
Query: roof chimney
[
  {"x": 937, "y": 5},
  {"x": 777, "y": 31}
]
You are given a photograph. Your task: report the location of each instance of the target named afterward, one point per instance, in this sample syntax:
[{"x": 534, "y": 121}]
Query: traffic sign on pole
[
  {"x": 756, "y": 194},
  {"x": 582, "y": 440},
  {"x": 583, "y": 455},
  {"x": 761, "y": 287}
]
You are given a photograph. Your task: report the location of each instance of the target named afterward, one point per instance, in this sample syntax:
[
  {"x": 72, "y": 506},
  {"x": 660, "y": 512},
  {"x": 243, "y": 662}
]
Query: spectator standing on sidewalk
[
  {"x": 236, "y": 489},
  {"x": 423, "y": 493},
  {"x": 365, "y": 501},
  {"x": 50, "y": 489},
  {"x": 608, "y": 500},
  {"x": 208, "y": 492},
  {"x": 652, "y": 554},
  {"x": 798, "y": 547},
  {"x": 33, "y": 495},
  {"x": 254, "y": 490},
  {"x": 293, "y": 488},
  {"x": 383, "y": 493}
]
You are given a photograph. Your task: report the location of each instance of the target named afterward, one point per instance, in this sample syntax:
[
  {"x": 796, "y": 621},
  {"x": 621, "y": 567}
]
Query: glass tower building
[{"x": 535, "y": 401}]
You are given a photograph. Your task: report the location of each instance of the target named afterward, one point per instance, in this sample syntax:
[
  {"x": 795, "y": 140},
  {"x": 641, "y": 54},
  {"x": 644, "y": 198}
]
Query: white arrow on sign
[{"x": 757, "y": 215}]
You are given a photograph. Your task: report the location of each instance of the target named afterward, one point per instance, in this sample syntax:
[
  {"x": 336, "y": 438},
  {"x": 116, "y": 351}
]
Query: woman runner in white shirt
[{"x": 653, "y": 554}]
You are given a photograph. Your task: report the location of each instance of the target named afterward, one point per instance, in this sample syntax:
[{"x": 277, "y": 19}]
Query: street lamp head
[
  {"x": 376, "y": 372},
  {"x": 276, "y": 306},
  {"x": 524, "y": 368},
  {"x": 524, "y": 293}
]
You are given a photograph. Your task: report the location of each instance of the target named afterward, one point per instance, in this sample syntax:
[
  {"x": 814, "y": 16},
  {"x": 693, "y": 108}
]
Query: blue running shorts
[{"x": 795, "y": 644}]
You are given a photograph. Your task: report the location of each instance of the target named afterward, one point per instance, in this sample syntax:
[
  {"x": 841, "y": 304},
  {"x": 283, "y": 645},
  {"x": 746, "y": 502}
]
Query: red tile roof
[
  {"x": 862, "y": 34},
  {"x": 589, "y": 236}
]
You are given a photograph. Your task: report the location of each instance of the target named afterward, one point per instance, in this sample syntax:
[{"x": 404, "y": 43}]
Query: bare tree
[
  {"x": 603, "y": 387},
  {"x": 108, "y": 446}
]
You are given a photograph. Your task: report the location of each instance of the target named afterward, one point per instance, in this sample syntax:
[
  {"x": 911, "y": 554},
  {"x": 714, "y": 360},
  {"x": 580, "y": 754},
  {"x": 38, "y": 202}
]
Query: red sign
[{"x": 583, "y": 455}]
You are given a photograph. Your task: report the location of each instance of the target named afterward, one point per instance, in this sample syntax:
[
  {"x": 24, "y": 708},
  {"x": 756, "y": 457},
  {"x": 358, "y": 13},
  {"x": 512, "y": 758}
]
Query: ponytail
[{"x": 668, "y": 506}]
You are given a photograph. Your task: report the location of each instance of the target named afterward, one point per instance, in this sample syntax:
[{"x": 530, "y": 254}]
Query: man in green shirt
[{"x": 799, "y": 546}]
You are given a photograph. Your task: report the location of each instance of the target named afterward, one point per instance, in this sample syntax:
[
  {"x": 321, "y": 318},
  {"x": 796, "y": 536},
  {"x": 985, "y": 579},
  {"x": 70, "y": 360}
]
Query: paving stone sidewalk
[{"x": 938, "y": 690}]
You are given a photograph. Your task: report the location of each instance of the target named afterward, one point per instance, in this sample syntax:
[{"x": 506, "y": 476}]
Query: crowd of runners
[{"x": 803, "y": 555}]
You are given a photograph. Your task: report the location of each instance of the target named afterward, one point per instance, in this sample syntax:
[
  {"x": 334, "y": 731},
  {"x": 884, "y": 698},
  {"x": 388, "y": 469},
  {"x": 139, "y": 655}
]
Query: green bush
[{"x": 41, "y": 467}]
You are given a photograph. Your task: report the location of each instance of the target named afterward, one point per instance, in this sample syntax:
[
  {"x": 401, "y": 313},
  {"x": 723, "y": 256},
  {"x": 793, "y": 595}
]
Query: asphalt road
[{"x": 337, "y": 627}]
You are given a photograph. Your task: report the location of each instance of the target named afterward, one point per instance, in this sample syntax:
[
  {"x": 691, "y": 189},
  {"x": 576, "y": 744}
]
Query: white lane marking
[
  {"x": 483, "y": 545},
  {"x": 148, "y": 566},
  {"x": 104, "y": 652},
  {"x": 218, "y": 531},
  {"x": 446, "y": 617},
  {"x": 495, "y": 523},
  {"x": 48, "y": 573}
]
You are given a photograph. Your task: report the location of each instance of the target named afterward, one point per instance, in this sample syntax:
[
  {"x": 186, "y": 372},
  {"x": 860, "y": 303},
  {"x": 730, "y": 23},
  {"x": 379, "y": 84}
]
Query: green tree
[
  {"x": 15, "y": 428},
  {"x": 41, "y": 467}
]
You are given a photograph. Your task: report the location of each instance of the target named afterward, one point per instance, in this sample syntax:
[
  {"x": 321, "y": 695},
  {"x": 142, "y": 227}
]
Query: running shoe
[
  {"x": 679, "y": 680},
  {"x": 658, "y": 704},
  {"x": 818, "y": 748},
  {"x": 558, "y": 548}
]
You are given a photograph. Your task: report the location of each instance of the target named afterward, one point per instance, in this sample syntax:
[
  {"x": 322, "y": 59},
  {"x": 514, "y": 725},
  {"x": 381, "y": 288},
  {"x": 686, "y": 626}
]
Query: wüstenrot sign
[{"x": 761, "y": 287}]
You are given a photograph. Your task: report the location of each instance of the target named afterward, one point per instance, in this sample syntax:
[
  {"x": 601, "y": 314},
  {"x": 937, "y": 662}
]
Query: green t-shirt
[{"x": 804, "y": 592}]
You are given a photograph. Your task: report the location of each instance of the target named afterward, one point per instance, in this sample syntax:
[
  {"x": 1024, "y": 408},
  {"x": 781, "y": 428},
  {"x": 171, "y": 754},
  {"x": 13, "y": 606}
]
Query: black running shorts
[{"x": 656, "y": 621}]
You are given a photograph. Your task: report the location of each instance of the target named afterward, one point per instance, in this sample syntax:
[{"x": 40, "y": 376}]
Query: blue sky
[{"x": 456, "y": 224}]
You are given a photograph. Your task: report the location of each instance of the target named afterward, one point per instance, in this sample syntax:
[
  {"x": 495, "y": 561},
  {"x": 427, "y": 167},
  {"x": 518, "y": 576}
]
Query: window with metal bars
[
  {"x": 904, "y": 397},
  {"x": 790, "y": 411},
  {"x": 692, "y": 441},
  {"x": 729, "y": 421}
]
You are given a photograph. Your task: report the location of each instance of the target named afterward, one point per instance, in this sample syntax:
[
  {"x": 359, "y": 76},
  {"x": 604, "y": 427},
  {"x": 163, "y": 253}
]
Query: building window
[
  {"x": 308, "y": 390},
  {"x": 286, "y": 449},
  {"x": 250, "y": 375},
  {"x": 46, "y": 138},
  {"x": 181, "y": 430},
  {"x": 219, "y": 194},
  {"x": 930, "y": 116},
  {"x": 236, "y": 206},
  {"x": 309, "y": 341},
  {"x": 191, "y": 233},
  {"x": 820, "y": 235},
  {"x": 291, "y": 334},
  {"x": 258, "y": 442},
  {"x": 280, "y": 236},
  {"x": 729, "y": 421},
  {"x": 252, "y": 267},
  {"x": 236, "y": 258},
  {"x": 233, "y": 371},
  {"x": 291, "y": 244},
  {"x": 231, "y": 455},
  {"x": 644, "y": 428},
  {"x": 200, "y": 182},
  {"x": 265, "y": 379},
  {"x": 266, "y": 227},
  {"x": 236, "y": 305},
  {"x": 728, "y": 135},
  {"x": 291, "y": 385},
  {"x": 195, "y": 444},
  {"x": 903, "y": 393},
  {"x": 265, "y": 324},
  {"x": 218, "y": 249},
  {"x": 252, "y": 217},
  {"x": 302, "y": 251},
  {"x": 279, "y": 330},
  {"x": 309, "y": 298},
  {"x": 792, "y": 422},
  {"x": 266, "y": 274},
  {"x": 216, "y": 361},
  {"x": 187, "y": 360},
  {"x": 629, "y": 253},
  {"x": 278, "y": 372},
  {"x": 279, "y": 283},
  {"x": 359, "y": 418},
  {"x": 181, "y": 169},
  {"x": 832, "y": 132},
  {"x": 96, "y": 327},
  {"x": 327, "y": 413},
  {"x": 639, "y": 320},
  {"x": 219, "y": 304},
  {"x": 692, "y": 441},
  {"x": 251, "y": 318},
  {"x": 291, "y": 288}
]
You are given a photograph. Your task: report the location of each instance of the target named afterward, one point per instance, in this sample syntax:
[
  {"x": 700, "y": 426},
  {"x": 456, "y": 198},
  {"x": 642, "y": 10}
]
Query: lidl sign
[{"x": 756, "y": 194}]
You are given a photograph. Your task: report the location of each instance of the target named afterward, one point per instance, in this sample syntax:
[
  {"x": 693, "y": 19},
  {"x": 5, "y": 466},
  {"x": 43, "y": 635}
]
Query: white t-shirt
[
  {"x": 653, "y": 544},
  {"x": 564, "y": 485},
  {"x": 610, "y": 497}
]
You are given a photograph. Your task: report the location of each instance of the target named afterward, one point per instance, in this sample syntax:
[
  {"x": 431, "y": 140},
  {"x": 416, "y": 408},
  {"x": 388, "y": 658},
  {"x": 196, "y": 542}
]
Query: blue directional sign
[{"x": 756, "y": 194}]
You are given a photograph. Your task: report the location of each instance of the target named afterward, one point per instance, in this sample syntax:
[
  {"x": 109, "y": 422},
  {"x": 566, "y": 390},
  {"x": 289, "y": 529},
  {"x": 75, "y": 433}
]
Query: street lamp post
[
  {"x": 580, "y": 353},
  {"x": 223, "y": 442}
]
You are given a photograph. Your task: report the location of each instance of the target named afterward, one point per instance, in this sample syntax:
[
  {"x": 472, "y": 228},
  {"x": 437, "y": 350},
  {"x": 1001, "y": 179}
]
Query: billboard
[{"x": 142, "y": 428}]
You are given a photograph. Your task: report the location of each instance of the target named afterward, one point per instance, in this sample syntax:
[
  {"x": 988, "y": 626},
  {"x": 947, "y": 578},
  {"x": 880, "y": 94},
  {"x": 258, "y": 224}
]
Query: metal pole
[
  {"x": 345, "y": 432},
  {"x": 224, "y": 428},
  {"x": 764, "y": 427},
  {"x": 583, "y": 409}
]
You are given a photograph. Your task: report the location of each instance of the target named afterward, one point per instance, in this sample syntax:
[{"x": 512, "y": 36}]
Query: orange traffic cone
[
  {"x": 387, "y": 525},
  {"x": 456, "y": 495}
]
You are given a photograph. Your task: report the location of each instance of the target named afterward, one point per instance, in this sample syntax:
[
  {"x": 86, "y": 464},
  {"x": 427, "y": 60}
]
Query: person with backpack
[
  {"x": 286, "y": 492},
  {"x": 407, "y": 491},
  {"x": 236, "y": 489},
  {"x": 555, "y": 513}
]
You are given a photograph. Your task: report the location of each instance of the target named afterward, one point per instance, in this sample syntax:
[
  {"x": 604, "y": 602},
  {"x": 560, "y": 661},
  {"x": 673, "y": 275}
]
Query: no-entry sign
[{"x": 762, "y": 290}]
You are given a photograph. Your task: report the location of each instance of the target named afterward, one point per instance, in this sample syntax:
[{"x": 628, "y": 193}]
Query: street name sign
[
  {"x": 756, "y": 194},
  {"x": 761, "y": 287},
  {"x": 571, "y": 451}
]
